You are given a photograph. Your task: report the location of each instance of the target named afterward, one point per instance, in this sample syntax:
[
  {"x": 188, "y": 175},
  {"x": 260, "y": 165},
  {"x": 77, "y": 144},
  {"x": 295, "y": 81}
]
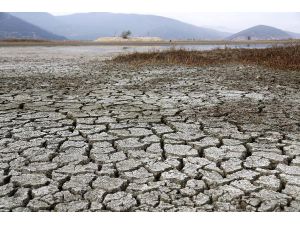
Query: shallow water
[
  {"x": 195, "y": 47},
  {"x": 103, "y": 52}
]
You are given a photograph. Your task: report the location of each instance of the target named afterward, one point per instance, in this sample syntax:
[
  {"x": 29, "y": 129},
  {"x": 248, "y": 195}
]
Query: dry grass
[{"x": 286, "y": 58}]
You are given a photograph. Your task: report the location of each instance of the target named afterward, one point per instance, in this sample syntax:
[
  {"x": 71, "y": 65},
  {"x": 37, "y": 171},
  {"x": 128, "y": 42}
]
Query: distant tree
[
  {"x": 126, "y": 34},
  {"x": 248, "y": 38}
]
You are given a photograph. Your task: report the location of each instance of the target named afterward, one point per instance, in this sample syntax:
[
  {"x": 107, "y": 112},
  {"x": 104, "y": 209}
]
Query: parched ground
[{"x": 81, "y": 134}]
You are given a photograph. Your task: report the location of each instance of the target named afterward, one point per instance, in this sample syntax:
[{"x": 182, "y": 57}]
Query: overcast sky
[
  {"x": 233, "y": 22},
  {"x": 184, "y": 10}
]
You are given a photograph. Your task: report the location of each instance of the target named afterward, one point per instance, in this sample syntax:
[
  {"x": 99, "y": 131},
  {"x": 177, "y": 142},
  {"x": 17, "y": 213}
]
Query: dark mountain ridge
[{"x": 13, "y": 27}]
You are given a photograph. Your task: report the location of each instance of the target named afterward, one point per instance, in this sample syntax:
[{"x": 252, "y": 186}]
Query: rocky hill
[{"x": 261, "y": 32}]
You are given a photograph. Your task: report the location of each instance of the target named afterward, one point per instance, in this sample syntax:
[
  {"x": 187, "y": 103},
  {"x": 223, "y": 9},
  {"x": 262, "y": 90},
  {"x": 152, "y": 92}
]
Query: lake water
[
  {"x": 125, "y": 49},
  {"x": 104, "y": 52}
]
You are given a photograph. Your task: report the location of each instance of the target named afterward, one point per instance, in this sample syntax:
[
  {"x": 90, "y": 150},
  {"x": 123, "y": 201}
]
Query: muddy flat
[{"x": 78, "y": 133}]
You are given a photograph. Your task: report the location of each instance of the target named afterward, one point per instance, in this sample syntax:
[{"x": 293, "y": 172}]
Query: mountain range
[{"x": 90, "y": 26}]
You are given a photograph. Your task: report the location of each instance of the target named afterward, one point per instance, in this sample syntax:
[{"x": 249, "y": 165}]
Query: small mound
[{"x": 130, "y": 39}]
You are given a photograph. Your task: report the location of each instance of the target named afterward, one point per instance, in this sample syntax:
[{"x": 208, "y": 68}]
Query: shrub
[{"x": 126, "y": 34}]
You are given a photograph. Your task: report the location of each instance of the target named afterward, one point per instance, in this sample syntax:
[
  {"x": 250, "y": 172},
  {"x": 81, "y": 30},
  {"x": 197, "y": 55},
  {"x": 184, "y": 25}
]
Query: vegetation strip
[{"x": 284, "y": 57}]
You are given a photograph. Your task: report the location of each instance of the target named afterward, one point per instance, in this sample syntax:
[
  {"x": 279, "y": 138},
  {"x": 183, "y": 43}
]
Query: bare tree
[{"x": 126, "y": 34}]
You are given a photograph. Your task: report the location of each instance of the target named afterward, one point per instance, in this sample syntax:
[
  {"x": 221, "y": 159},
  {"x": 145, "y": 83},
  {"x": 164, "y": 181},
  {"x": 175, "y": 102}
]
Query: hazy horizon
[{"x": 228, "y": 21}]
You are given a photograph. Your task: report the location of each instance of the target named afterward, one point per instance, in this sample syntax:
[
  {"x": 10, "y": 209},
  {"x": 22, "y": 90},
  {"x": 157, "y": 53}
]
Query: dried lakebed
[{"x": 80, "y": 134}]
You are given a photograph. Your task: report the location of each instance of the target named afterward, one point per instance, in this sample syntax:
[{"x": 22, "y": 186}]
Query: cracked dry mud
[{"x": 80, "y": 134}]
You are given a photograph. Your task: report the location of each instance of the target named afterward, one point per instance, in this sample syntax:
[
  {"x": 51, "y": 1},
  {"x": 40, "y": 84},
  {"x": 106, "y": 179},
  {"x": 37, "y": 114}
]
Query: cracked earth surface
[{"x": 80, "y": 134}]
